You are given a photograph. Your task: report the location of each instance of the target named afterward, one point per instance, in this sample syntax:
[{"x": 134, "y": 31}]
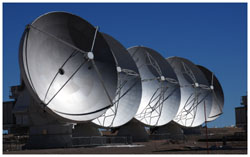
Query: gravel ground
[{"x": 152, "y": 147}]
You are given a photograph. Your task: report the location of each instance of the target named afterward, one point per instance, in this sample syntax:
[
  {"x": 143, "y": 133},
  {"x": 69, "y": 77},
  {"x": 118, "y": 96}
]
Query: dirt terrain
[
  {"x": 193, "y": 144},
  {"x": 152, "y": 147}
]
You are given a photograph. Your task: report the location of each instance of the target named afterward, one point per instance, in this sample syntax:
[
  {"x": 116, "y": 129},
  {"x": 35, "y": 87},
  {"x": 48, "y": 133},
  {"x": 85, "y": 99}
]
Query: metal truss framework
[
  {"x": 154, "y": 107},
  {"x": 189, "y": 110},
  {"x": 122, "y": 81}
]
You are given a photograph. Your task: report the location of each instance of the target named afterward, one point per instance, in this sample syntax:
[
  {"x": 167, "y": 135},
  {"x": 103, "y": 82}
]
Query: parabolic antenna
[
  {"x": 196, "y": 100},
  {"x": 128, "y": 94},
  {"x": 160, "y": 89},
  {"x": 216, "y": 92},
  {"x": 68, "y": 66}
]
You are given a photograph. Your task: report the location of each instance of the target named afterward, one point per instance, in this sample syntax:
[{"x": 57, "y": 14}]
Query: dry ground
[
  {"x": 152, "y": 147},
  {"x": 190, "y": 146}
]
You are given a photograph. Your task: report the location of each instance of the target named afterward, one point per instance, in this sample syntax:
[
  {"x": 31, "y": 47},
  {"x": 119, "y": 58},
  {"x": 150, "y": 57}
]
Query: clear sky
[{"x": 212, "y": 35}]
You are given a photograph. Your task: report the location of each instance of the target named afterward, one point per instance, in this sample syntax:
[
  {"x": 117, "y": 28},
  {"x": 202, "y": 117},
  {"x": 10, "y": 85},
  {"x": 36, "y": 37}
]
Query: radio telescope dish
[
  {"x": 196, "y": 100},
  {"x": 216, "y": 92},
  {"x": 160, "y": 89},
  {"x": 128, "y": 94},
  {"x": 68, "y": 66}
]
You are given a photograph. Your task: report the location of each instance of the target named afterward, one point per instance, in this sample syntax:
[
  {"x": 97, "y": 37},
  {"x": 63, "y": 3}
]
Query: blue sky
[{"x": 212, "y": 35}]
